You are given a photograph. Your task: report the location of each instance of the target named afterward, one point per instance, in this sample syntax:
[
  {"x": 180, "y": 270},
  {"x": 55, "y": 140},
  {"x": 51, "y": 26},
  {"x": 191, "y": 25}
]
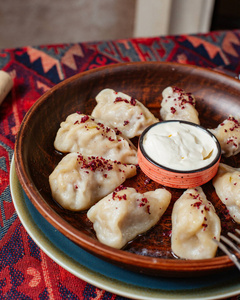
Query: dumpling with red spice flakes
[
  {"x": 123, "y": 112},
  {"x": 178, "y": 105},
  {"x": 89, "y": 136},
  {"x": 194, "y": 226},
  {"x": 227, "y": 186},
  {"x": 121, "y": 216},
  {"x": 80, "y": 181},
  {"x": 228, "y": 135}
]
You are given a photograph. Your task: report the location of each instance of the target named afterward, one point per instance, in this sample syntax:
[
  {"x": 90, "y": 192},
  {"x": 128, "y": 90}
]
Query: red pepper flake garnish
[
  {"x": 148, "y": 209},
  {"x": 120, "y": 188},
  {"x": 144, "y": 200},
  {"x": 116, "y": 196},
  {"x": 133, "y": 101},
  {"x": 125, "y": 123},
  {"x": 197, "y": 204},
  {"x": 205, "y": 226},
  {"x": 229, "y": 141},
  {"x": 183, "y": 98},
  {"x": 235, "y": 122},
  {"x": 117, "y": 131},
  {"x": 84, "y": 119},
  {"x": 100, "y": 124},
  {"x": 206, "y": 208},
  {"x": 177, "y": 90},
  {"x": 120, "y": 99},
  {"x": 194, "y": 196},
  {"x": 94, "y": 163},
  {"x": 173, "y": 110}
]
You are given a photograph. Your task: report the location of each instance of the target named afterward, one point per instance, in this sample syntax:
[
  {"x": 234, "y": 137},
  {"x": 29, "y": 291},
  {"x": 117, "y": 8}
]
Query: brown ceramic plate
[{"x": 217, "y": 96}]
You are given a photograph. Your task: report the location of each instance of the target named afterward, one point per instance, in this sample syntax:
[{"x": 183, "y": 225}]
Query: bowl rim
[
  {"x": 152, "y": 161},
  {"x": 178, "y": 267}
]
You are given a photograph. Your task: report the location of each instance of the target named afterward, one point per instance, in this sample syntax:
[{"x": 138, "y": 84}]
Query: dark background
[{"x": 226, "y": 15}]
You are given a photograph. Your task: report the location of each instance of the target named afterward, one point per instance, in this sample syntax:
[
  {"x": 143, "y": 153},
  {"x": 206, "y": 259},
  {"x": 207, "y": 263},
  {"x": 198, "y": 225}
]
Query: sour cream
[{"x": 180, "y": 146}]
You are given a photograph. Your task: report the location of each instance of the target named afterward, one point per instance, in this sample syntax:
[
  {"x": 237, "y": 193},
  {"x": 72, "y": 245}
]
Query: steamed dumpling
[
  {"x": 123, "y": 112},
  {"x": 227, "y": 186},
  {"x": 80, "y": 181},
  {"x": 84, "y": 134},
  {"x": 121, "y": 216},
  {"x": 228, "y": 135},
  {"x": 194, "y": 225},
  {"x": 178, "y": 105}
]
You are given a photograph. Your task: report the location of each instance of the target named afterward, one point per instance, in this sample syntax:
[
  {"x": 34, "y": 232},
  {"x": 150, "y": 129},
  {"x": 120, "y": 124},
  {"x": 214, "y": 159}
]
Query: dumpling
[
  {"x": 80, "y": 181},
  {"x": 194, "y": 225},
  {"x": 178, "y": 105},
  {"x": 121, "y": 216},
  {"x": 228, "y": 135},
  {"x": 123, "y": 112},
  {"x": 227, "y": 186},
  {"x": 84, "y": 134}
]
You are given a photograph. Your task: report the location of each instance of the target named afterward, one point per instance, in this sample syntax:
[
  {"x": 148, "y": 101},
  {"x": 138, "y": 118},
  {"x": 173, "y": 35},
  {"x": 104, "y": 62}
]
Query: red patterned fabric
[{"x": 25, "y": 271}]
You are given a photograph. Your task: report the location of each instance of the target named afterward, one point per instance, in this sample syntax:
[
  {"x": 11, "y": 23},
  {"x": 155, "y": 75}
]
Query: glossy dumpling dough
[
  {"x": 79, "y": 181},
  {"x": 228, "y": 135},
  {"x": 123, "y": 112},
  {"x": 84, "y": 134},
  {"x": 227, "y": 186},
  {"x": 194, "y": 225},
  {"x": 178, "y": 105},
  {"x": 121, "y": 216}
]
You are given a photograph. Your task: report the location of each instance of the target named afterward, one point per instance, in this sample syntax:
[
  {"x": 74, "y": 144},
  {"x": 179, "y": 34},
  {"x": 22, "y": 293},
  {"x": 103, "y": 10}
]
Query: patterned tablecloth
[{"x": 26, "y": 272}]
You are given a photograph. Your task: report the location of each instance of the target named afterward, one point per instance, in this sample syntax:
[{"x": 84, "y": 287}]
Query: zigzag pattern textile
[{"x": 26, "y": 272}]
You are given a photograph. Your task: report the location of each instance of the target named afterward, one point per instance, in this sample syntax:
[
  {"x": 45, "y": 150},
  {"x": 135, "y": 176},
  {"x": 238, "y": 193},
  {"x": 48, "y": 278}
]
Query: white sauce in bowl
[{"x": 180, "y": 146}]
